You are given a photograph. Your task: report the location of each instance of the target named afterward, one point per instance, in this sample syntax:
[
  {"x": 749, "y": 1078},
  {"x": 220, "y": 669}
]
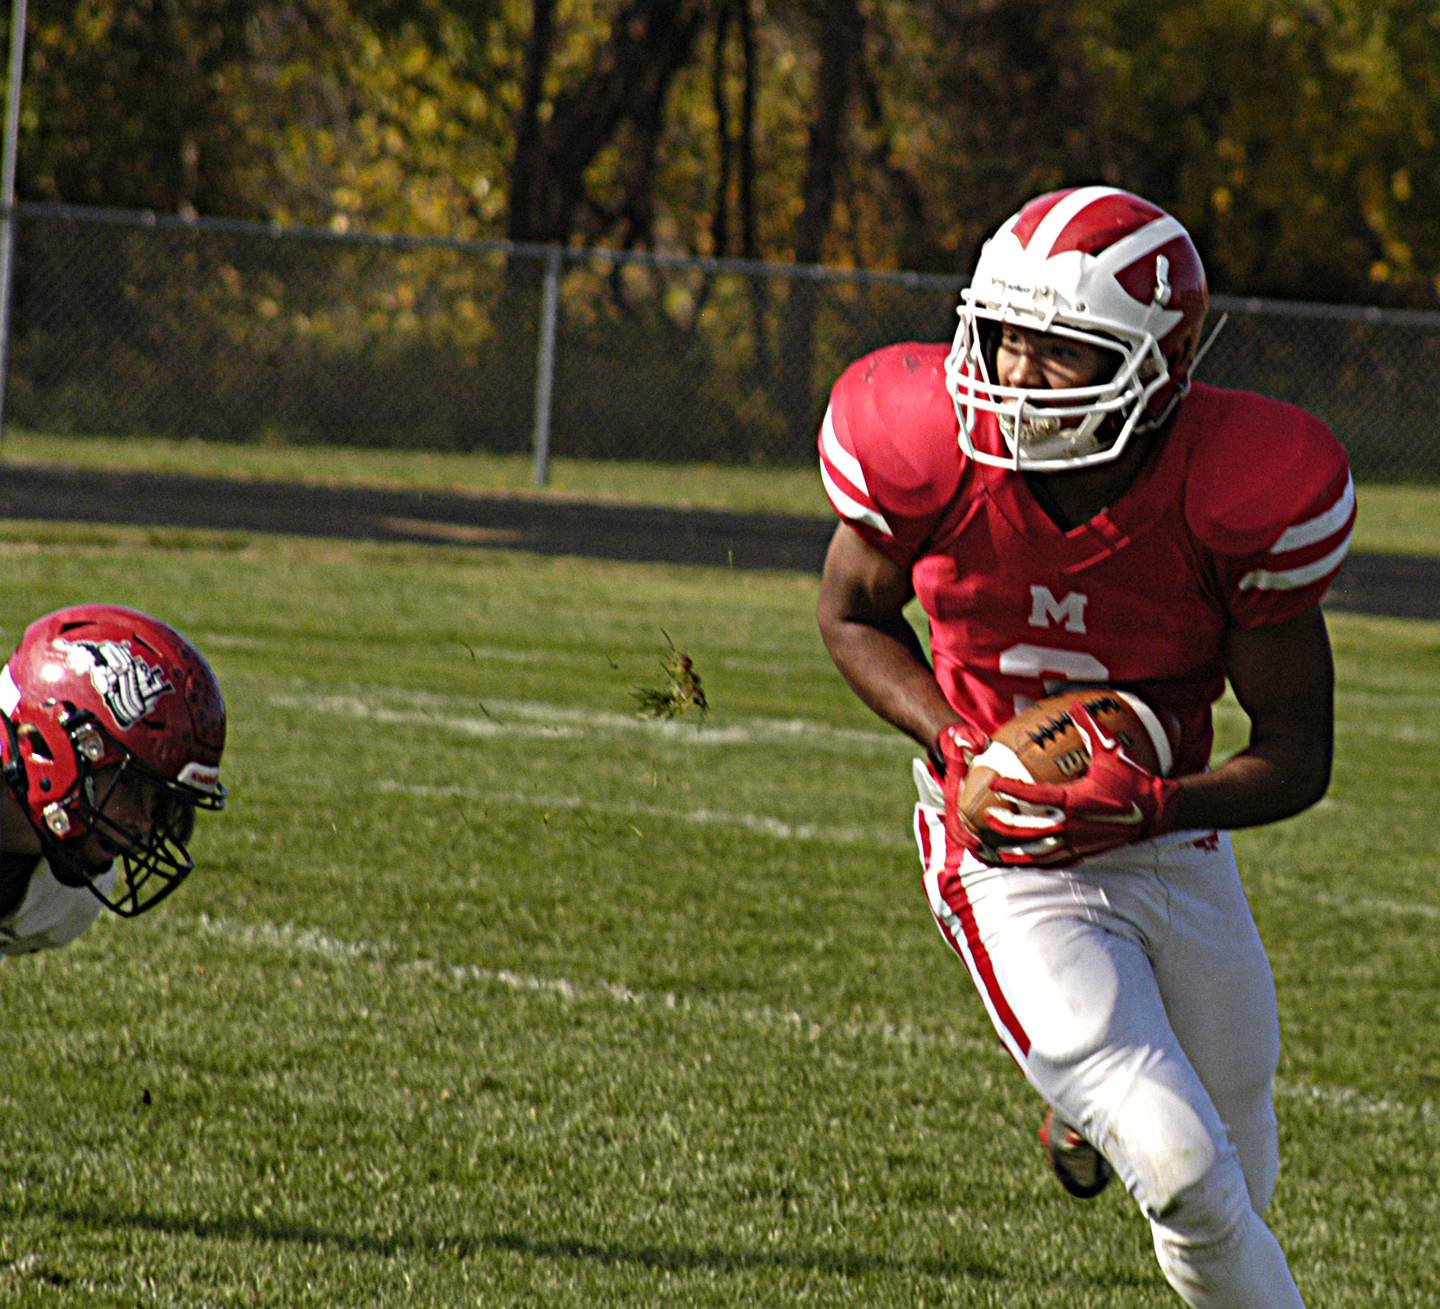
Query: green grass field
[
  {"x": 488, "y": 993},
  {"x": 1396, "y": 519}
]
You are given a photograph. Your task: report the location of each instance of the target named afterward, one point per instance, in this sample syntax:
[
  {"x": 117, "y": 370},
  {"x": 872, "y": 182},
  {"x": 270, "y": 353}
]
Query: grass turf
[{"x": 489, "y": 993}]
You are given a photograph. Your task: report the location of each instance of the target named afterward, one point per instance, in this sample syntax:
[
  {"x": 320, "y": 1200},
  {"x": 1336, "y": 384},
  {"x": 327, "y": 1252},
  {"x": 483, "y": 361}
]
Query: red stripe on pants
[{"x": 952, "y": 892}]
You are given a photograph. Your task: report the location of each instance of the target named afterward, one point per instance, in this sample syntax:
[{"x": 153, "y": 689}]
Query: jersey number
[{"x": 1050, "y": 668}]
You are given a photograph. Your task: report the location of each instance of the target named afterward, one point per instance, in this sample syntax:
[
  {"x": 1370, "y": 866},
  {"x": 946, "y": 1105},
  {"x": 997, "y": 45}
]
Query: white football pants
[{"x": 1135, "y": 995}]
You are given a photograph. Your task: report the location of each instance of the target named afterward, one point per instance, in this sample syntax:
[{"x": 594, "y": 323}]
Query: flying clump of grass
[{"x": 679, "y": 694}]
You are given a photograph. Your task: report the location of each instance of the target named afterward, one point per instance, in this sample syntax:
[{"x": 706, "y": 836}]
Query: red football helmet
[
  {"x": 108, "y": 709},
  {"x": 1099, "y": 266}
]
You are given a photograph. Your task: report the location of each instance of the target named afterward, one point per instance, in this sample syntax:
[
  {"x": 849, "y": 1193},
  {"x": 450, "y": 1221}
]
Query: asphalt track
[{"x": 1398, "y": 586}]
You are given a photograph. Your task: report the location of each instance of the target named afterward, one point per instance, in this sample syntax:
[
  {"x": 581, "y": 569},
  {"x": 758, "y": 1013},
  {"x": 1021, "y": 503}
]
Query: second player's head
[{"x": 112, "y": 735}]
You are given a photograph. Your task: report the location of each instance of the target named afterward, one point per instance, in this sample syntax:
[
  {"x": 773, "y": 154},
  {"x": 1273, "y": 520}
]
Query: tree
[
  {"x": 1298, "y": 140},
  {"x": 840, "y": 36},
  {"x": 121, "y": 104},
  {"x": 619, "y": 100}
]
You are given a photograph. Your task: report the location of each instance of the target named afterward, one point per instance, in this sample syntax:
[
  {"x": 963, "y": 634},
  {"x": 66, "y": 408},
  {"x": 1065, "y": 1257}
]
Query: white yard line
[
  {"x": 544, "y": 721},
  {"x": 561, "y": 722},
  {"x": 287, "y": 939},
  {"x": 888, "y": 836},
  {"x": 539, "y": 720},
  {"x": 1363, "y": 905}
]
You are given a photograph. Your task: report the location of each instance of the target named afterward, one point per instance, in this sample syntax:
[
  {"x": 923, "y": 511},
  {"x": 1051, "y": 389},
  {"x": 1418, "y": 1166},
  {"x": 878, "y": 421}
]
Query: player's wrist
[
  {"x": 1166, "y": 797},
  {"x": 943, "y": 745}
]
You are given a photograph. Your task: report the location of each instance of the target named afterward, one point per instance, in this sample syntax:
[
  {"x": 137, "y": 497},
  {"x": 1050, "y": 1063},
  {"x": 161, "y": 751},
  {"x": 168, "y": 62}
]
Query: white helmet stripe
[
  {"x": 1136, "y": 246},
  {"x": 1139, "y": 244},
  {"x": 1058, "y": 219}
]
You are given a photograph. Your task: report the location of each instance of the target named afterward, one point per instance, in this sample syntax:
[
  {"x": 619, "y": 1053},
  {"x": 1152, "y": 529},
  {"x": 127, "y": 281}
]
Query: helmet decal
[{"x": 129, "y": 687}]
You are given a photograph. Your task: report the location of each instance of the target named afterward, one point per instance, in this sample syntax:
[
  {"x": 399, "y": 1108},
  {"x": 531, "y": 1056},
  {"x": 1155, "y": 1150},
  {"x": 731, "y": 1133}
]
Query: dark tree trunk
[
  {"x": 719, "y": 95},
  {"x": 526, "y": 165},
  {"x": 650, "y": 41},
  {"x": 841, "y": 42}
]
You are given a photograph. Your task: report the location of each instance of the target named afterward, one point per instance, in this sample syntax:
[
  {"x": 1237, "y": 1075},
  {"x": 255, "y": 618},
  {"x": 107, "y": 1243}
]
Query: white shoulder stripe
[
  {"x": 1291, "y": 579},
  {"x": 1321, "y": 526},
  {"x": 845, "y": 463},
  {"x": 850, "y": 508}
]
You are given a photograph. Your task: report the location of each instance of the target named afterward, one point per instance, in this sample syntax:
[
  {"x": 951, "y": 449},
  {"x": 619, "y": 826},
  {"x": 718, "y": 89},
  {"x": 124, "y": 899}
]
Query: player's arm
[
  {"x": 863, "y": 594},
  {"x": 1284, "y": 679}
]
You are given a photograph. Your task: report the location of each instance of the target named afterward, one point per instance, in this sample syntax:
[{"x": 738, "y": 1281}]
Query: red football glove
[
  {"x": 955, "y": 747},
  {"x": 1115, "y": 803}
]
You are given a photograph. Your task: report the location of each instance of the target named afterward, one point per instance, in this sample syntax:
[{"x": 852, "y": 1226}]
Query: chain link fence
[{"x": 126, "y": 323}]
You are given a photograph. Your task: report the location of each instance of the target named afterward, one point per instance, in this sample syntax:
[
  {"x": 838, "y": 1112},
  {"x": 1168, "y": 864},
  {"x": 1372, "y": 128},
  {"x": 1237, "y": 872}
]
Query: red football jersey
[{"x": 1242, "y": 519}]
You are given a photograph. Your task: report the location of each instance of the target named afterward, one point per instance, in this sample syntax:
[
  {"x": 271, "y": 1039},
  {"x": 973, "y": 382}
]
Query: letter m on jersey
[{"x": 1047, "y": 611}]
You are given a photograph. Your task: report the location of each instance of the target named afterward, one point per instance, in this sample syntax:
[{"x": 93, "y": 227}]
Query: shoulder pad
[
  {"x": 1269, "y": 492},
  {"x": 1258, "y": 469},
  {"x": 889, "y": 455}
]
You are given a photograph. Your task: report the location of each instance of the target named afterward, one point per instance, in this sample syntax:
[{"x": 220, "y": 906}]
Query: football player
[
  {"x": 113, "y": 726},
  {"x": 1071, "y": 510}
]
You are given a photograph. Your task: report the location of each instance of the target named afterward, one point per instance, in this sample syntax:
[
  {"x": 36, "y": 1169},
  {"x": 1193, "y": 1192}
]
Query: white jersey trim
[
  {"x": 849, "y": 508},
  {"x": 1322, "y": 525},
  {"x": 837, "y": 454},
  {"x": 1292, "y": 579},
  {"x": 849, "y": 467}
]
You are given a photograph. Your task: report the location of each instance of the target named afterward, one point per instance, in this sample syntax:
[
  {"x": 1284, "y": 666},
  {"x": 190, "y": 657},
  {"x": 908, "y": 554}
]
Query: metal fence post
[
  {"x": 7, "y": 187},
  {"x": 545, "y": 362}
]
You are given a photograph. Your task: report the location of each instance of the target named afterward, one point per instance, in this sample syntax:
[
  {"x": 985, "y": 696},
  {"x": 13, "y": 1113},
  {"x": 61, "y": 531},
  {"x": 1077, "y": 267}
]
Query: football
[{"x": 1041, "y": 744}]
